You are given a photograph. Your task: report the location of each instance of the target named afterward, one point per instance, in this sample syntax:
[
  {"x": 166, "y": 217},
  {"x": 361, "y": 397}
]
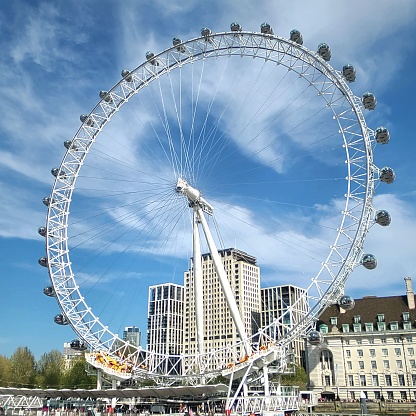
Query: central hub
[{"x": 193, "y": 195}]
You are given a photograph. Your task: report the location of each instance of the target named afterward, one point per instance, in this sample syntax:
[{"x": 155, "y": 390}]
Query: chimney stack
[{"x": 409, "y": 293}]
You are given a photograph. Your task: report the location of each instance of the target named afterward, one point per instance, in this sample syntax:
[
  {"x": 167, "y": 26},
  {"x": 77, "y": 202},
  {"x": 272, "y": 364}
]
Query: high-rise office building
[
  {"x": 219, "y": 330},
  {"x": 132, "y": 334},
  {"x": 165, "y": 319},
  {"x": 290, "y": 304}
]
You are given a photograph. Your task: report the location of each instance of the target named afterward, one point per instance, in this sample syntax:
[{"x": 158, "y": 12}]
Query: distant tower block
[{"x": 409, "y": 293}]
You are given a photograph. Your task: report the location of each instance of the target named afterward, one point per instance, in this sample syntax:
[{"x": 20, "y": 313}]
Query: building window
[
  {"x": 334, "y": 320},
  {"x": 345, "y": 328},
  {"x": 383, "y": 340},
  {"x": 414, "y": 379},
  {"x": 348, "y": 353},
  {"x": 380, "y": 317},
  {"x": 323, "y": 329},
  {"x": 356, "y": 327},
  {"x": 349, "y": 365},
  {"x": 412, "y": 363},
  {"x": 401, "y": 379},
  {"x": 357, "y": 319},
  {"x": 403, "y": 395},
  {"x": 396, "y": 340},
  {"x": 360, "y": 353},
  {"x": 406, "y": 316},
  {"x": 390, "y": 395},
  {"x": 394, "y": 325},
  {"x": 361, "y": 365},
  {"x": 327, "y": 380},
  {"x": 359, "y": 341},
  {"x": 374, "y": 365},
  {"x": 363, "y": 383},
  {"x": 369, "y": 327},
  {"x": 397, "y": 352},
  {"x": 388, "y": 379},
  {"x": 375, "y": 380},
  {"x": 371, "y": 340},
  {"x": 399, "y": 364},
  {"x": 386, "y": 364},
  {"x": 385, "y": 352},
  {"x": 407, "y": 325},
  {"x": 372, "y": 352},
  {"x": 381, "y": 326},
  {"x": 409, "y": 339},
  {"x": 351, "y": 380}
]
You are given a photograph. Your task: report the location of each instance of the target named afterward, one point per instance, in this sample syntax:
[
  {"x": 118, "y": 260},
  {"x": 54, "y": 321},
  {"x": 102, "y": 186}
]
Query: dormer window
[
  {"x": 380, "y": 317},
  {"x": 345, "y": 328},
  {"x": 323, "y": 329},
  {"x": 357, "y": 319},
  {"x": 394, "y": 325},
  {"x": 334, "y": 320},
  {"x": 369, "y": 327},
  {"x": 405, "y": 315},
  {"x": 381, "y": 326}
]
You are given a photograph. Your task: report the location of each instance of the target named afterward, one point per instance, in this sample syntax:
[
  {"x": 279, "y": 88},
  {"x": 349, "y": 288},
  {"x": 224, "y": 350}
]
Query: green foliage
[
  {"x": 49, "y": 369},
  {"x": 23, "y": 367},
  {"x": 297, "y": 378},
  {"x": 76, "y": 376},
  {"x": 5, "y": 371}
]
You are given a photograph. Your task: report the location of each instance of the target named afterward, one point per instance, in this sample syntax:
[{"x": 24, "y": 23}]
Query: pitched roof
[{"x": 368, "y": 307}]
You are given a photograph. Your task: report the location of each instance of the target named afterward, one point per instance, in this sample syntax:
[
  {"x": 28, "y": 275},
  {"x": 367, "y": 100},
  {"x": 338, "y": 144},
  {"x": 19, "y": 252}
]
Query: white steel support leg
[
  {"x": 198, "y": 285},
  {"x": 266, "y": 380},
  {"x": 225, "y": 284}
]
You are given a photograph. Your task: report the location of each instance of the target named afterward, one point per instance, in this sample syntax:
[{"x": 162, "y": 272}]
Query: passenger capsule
[
  {"x": 126, "y": 75},
  {"x": 86, "y": 120},
  {"x": 150, "y": 56},
  {"x": 369, "y": 261},
  {"x": 60, "y": 319},
  {"x": 387, "y": 175},
  {"x": 324, "y": 51},
  {"x": 382, "y": 135},
  {"x": 235, "y": 27},
  {"x": 349, "y": 72},
  {"x": 346, "y": 302},
  {"x": 315, "y": 338},
  {"x": 104, "y": 95},
  {"x": 266, "y": 29},
  {"x": 77, "y": 345},
  {"x": 42, "y": 231},
  {"x": 383, "y": 218},
  {"x": 177, "y": 43},
  {"x": 296, "y": 36},
  {"x": 43, "y": 261},
  {"x": 48, "y": 291},
  {"x": 46, "y": 201},
  {"x": 58, "y": 173},
  {"x": 206, "y": 33},
  {"x": 369, "y": 101},
  {"x": 69, "y": 144}
]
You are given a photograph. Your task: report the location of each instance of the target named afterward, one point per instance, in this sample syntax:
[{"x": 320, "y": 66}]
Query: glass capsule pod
[
  {"x": 177, "y": 43},
  {"x": 346, "y": 302},
  {"x": 369, "y": 101},
  {"x": 43, "y": 261},
  {"x": 205, "y": 32},
  {"x": 235, "y": 27},
  {"x": 104, "y": 95},
  {"x": 265, "y": 28},
  {"x": 42, "y": 231},
  {"x": 315, "y": 338},
  {"x": 46, "y": 201},
  {"x": 126, "y": 75},
  {"x": 382, "y": 218},
  {"x": 348, "y": 71},
  {"x": 387, "y": 175},
  {"x": 60, "y": 319},
  {"x": 382, "y": 135},
  {"x": 58, "y": 173},
  {"x": 150, "y": 56},
  {"x": 48, "y": 291},
  {"x": 77, "y": 345},
  {"x": 369, "y": 261},
  {"x": 324, "y": 51},
  {"x": 86, "y": 120},
  {"x": 296, "y": 36}
]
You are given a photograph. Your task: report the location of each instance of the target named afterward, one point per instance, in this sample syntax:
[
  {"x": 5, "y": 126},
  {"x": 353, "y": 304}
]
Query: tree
[
  {"x": 5, "y": 371},
  {"x": 23, "y": 367},
  {"x": 77, "y": 377},
  {"x": 297, "y": 378},
  {"x": 49, "y": 369}
]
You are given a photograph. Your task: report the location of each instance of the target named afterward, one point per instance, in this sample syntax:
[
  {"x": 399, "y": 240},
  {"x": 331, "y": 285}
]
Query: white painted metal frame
[{"x": 345, "y": 253}]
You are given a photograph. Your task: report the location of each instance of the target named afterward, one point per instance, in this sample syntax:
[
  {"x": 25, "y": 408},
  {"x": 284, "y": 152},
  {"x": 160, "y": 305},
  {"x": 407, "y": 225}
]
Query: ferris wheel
[{"x": 233, "y": 139}]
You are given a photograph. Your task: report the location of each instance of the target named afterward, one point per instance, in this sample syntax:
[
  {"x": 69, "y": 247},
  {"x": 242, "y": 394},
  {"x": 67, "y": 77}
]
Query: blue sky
[{"x": 55, "y": 58}]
